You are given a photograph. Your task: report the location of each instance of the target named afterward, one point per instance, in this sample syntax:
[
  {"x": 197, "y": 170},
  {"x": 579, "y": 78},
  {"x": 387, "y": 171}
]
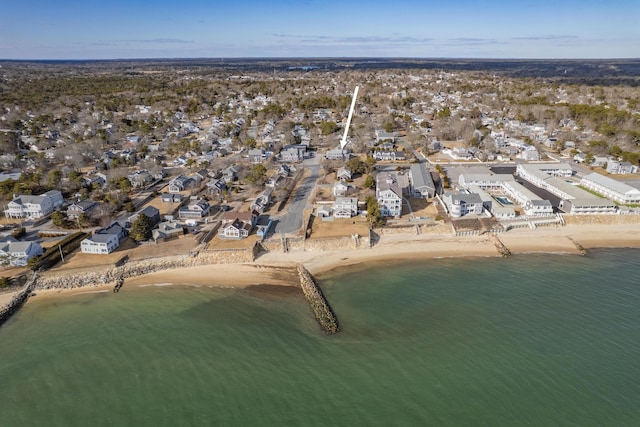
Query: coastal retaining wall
[
  {"x": 16, "y": 302},
  {"x": 318, "y": 303}
]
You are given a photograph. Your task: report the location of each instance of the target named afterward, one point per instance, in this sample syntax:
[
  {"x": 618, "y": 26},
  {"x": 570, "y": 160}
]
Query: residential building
[
  {"x": 262, "y": 201},
  {"x": 461, "y": 204},
  {"x": 195, "y": 209},
  {"x": 236, "y": 225},
  {"x": 388, "y": 194},
  {"x": 421, "y": 183},
  {"x": 337, "y": 154},
  {"x": 344, "y": 173},
  {"x": 609, "y": 187},
  {"x": 34, "y": 207},
  {"x": 152, "y": 213},
  {"x": 256, "y": 155},
  {"x": 167, "y": 230},
  {"x": 18, "y": 253},
  {"x": 340, "y": 188},
  {"x": 82, "y": 207},
  {"x": 103, "y": 241},
  {"x": 617, "y": 167},
  {"x": 345, "y": 207},
  {"x": 180, "y": 183},
  {"x": 292, "y": 155}
]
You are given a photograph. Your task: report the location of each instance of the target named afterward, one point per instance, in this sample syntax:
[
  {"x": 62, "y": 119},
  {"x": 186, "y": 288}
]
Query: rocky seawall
[{"x": 17, "y": 301}]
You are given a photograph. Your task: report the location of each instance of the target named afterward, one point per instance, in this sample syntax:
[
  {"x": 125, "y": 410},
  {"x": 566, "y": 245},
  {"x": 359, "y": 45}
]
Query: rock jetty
[{"x": 318, "y": 303}]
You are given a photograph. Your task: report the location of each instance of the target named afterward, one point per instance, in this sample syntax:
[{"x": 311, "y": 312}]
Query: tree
[
  {"x": 373, "y": 212},
  {"x": 141, "y": 228},
  {"x": 328, "y": 127},
  {"x": 356, "y": 165},
  {"x": 57, "y": 218},
  {"x": 257, "y": 174},
  {"x": 369, "y": 182}
]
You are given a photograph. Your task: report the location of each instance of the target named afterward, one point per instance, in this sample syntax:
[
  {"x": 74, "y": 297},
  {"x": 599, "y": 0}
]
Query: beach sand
[{"x": 276, "y": 268}]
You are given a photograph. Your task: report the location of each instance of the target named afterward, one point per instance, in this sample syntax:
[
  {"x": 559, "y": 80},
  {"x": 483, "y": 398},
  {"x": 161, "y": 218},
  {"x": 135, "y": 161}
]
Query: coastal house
[
  {"x": 388, "y": 194},
  {"x": 34, "y": 207},
  {"x": 256, "y": 155},
  {"x": 104, "y": 241},
  {"x": 230, "y": 174},
  {"x": 461, "y": 204},
  {"x": 337, "y": 154},
  {"x": 180, "y": 183},
  {"x": 421, "y": 183},
  {"x": 166, "y": 230},
  {"x": 609, "y": 187},
  {"x": 170, "y": 198},
  {"x": 83, "y": 207},
  {"x": 216, "y": 186},
  {"x": 292, "y": 155},
  {"x": 344, "y": 173},
  {"x": 345, "y": 207},
  {"x": 261, "y": 203},
  {"x": 151, "y": 212},
  {"x": 340, "y": 188},
  {"x": 195, "y": 209},
  {"x": 617, "y": 167},
  {"x": 16, "y": 253},
  {"x": 236, "y": 225}
]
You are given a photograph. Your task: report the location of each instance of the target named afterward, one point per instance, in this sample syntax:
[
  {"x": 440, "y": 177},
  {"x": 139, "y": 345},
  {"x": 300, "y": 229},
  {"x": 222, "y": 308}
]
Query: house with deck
[
  {"x": 27, "y": 206},
  {"x": 195, "y": 209},
  {"x": 462, "y": 204},
  {"x": 345, "y": 207},
  {"x": 236, "y": 225},
  {"x": 388, "y": 194}
]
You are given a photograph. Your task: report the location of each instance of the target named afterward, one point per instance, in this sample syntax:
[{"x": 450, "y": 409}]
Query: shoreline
[{"x": 276, "y": 268}]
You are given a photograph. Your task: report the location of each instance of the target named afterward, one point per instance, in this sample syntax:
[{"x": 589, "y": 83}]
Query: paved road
[{"x": 292, "y": 220}]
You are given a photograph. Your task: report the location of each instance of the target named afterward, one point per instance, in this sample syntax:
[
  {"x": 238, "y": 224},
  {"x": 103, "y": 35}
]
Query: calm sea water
[{"x": 525, "y": 341}]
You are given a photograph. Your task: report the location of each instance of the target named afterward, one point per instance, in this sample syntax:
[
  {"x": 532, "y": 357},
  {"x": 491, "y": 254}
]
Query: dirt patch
[
  {"x": 218, "y": 243},
  {"x": 339, "y": 227}
]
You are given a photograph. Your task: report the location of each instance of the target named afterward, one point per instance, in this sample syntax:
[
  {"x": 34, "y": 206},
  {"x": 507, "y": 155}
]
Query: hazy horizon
[{"x": 497, "y": 29}]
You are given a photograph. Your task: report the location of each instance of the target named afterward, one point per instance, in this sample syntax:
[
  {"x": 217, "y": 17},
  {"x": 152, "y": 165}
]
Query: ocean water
[{"x": 535, "y": 340}]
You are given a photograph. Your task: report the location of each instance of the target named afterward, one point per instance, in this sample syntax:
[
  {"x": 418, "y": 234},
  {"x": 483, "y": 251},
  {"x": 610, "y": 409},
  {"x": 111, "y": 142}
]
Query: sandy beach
[{"x": 277, "y": 268}]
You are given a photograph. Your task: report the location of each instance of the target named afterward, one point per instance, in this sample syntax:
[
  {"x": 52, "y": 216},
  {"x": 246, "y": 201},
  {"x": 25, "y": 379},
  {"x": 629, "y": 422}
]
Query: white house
[
  {"x": 340, "y": 188},
  {"x": 617, "y": 167},
  {"x": 33, "y": 207},
  {"x": 101, "y": 242},
  {"x": 388, "y": 194},
  {"x": 195, "y": 209},
  {"x": 461, "y": 204},
  {"x": 345, "y": 207},
  {"x": 609, "y": 187},
  {"x": 18, "y": 253}
]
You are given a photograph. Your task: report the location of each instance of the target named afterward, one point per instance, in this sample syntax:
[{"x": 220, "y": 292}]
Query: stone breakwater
[
  {"x": 318, "y": 303},
  {"x": 16, "y": 302}
]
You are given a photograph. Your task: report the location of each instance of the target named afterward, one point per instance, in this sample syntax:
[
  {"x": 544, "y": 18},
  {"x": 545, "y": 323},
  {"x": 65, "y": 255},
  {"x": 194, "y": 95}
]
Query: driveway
[{"x": 291, "y": 221}]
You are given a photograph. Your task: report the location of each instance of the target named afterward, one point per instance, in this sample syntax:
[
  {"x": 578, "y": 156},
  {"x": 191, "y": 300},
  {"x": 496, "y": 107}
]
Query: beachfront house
[
  {"x": 33, "y": 207},
  {"x": 103, "y": 241},
  {"x": 167, "y": 230},
  {"x": 461, "y": 204},
  {"x": 16, "y": 253},
  {"x": 345, "y": 207},
  {"x": 236, "y": 225},
  {"x": 388, "y": 194},
  {"x": 421, "y": 183}
]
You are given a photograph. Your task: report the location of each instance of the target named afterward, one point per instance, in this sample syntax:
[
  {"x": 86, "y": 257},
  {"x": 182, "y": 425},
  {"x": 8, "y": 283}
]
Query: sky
[{"x": 117, "y": 29}]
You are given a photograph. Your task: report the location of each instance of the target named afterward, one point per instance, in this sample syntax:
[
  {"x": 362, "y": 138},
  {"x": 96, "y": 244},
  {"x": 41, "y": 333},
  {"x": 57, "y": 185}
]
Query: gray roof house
[
  {"x": 420, "y": 181},
  {"x": 18, "y": 253}
]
